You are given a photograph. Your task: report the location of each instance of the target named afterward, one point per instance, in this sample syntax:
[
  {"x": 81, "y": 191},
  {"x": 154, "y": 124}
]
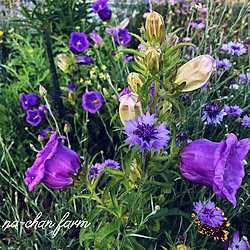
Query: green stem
[{"x": 204, "y": 242}]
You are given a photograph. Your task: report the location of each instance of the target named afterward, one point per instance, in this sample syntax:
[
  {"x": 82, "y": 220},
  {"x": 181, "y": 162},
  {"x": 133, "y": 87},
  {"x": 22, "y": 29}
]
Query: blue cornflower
[
  {"x": 210, "y": 215},
  {"x": 111, "y": 163},
  {"x": 233, "y": 110},
  {"x": 245, "y": 121},
  {"x": 244, "y": 77},
  {"x": 96, "y": 169},
  {"x": 223, "y": 64},
  {"x": 143, "y": 133},
  {"x": 234, "y": 48},
  {"x": 198, "y": 24},
  {"x": 213, "y": 114}
]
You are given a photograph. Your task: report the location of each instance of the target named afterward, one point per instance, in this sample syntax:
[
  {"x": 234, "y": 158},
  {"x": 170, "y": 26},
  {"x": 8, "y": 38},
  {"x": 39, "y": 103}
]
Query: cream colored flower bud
[
  {"x": 194, "y": 74},
  {"x": 134, "y": 173},
  {"x": 155, "y": 28},
  {"x": 130, "y": 108},
  {"x": 173, "y": 41},
  {"x": 135, "y": 81},
  {"x": 64, "y": 62},
  {"x": 154, "y": 59}
]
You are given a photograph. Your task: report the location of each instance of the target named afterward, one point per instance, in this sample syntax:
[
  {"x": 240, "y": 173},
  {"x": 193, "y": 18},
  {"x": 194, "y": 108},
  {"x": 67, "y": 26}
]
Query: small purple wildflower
[
  {"x": 198, "y": 24},
  {"x": 210, "y": 214},
  {"x": 92, "y": 101},
  {"x": 102, "y": 9},
  {"x": 193, "y": 48},
  {"x": 78, "y": 42},
  {"x": 245, "y": 121},
  {"x": 111, "y": 163},
  {"x": 71, "y": 86},
  {"x": 111, "y": 30},
  {"x": 45, "y": 132},
  {"x": 30, "y": 100},
  {"x": 244, "y": 77},
  {"x": 186, "y": 39},
  {"x": 225, "y": 63},
  {"x": 180, "y": 138},
  {"x": 237, "y": 243},
  {"x": 234, "y": 48},
  {"x": 96, "y": 38},
  {"x": 142, "y": 132},
  {"x": 95, "y": 169},
  {"x": 84, "y": 60},
  {"x": 233, "y": 110},
  {"x": 213, "y": 114},
  {"x": 127, "y": 58},
  {"x": 35, "y": 116}
]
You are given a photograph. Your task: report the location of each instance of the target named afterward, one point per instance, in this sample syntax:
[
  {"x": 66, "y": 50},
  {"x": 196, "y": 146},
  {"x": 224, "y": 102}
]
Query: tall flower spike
[{"x": 195, "y": 73}]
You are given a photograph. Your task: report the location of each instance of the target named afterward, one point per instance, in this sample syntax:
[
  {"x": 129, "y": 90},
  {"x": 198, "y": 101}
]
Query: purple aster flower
[
  {"x": 234, "y": 48},
  {"x": 245, "y": 121},
  {"x": 30, "y": 100},
  {"x": 95, "y": 169},
  {"x": 78, "y": 42},
  {"x": 45, "y": 132},
  {"x": 223, "y": 64},
  {"x": 122, "y": 37},
  {"x": 233, "y": 110},
  {"x": 84, "y": 60},
  {"x": 237, "y": 243},
  {"x": 127, "y": 58},
  {"x": 53, "y": 165},
  {"x": 35, "y": 116},
  {"x": 92, "y": 101},
  {"x": 71, "y": 86},
  {"x": 124, "y": 92},
  {"x": 213, "y": 114},
  {"x": 142, "y": 132},
  {"x": 244, "y": 77},
  {"x": 102, "y": 9},
  {"x": 210, "y": 215},
  {"x": 216, "y": 165},
  {"x": 198, "y": 24},
  {"x": 96, "y": 38}
]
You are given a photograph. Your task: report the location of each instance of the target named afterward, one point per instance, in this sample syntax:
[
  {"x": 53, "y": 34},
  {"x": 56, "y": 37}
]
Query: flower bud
[
  {"x": 134, "y": 172},
  {"x": 194, "y": 74},
  {"x": 105, "y": 93},
  {"x": 155, "y": 28},
  {"x": 173, "y": 41},
  {"x": 135, "y": 81},
  {"x": 154, "y": 59},
  {"x": 130, "y": 108},
  {"x": 64, "y": 62},
  {"x": 66, "y": 128},
  {"x": 42, "y": 91}
]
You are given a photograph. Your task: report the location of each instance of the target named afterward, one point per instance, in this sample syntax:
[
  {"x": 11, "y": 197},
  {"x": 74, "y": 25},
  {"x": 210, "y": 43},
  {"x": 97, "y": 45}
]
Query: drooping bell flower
[
  {"x": 130, "y": 108},
  {"x": 92, "y": 101},
  {"x": 35, "y": 116},
  {"x": 53, "y": 165},
  {"x": 78, "y": 42},
  {"x": 31, "y": 100},
  {"x": 216, "y": 165},
  {"x": 84, "y": 60},
  {"x": 122, "y": 37},
  {"x": 194, "y": 74},
  {"x": 102, "y": 9},
  {"x": 96, "y": 38}
]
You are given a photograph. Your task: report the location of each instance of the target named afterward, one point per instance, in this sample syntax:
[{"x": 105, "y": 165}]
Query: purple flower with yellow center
[
  {"x": 223, "y": 64},
  {"x": 30, "y": 100},
  {"x": 92, "y": 101},
  {"x": 53, "y": 165},
  {"x": 244, "y": 77},
  {"x": 35, "y": 116},
  {"x": 237, "y": 243},
  {"x": 198, "y": 24},
  {"x": 143, "y": 133},
  {"x": 213, "y": 114},
  {"x": 96, "y": 38},
  {"x": 210, "y": 215},
  {"x": 78, "y": 42},
  {"x": 102, "y": 9},
  {"x": 218, "y": 165},
  {"x": 233, "y": 110},
  {"x": 122, "y": 37},
  {"x": 234, "y": 48},
  {"x": 245, "y": 121},
  {"x": 84, "y": 60}
]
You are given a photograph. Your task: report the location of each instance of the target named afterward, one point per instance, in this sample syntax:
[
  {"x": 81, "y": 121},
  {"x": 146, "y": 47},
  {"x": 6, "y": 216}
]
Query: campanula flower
[
  {"x": 102, "y": 9},
  {"x": 92, "y": 101},
  {"x": 30, "y": 100},
  {"x": 96, "y": 38},
  {"x": 35, "y": 116},
  {"x": 84, "y": 60},
  {"x": 78, "y": 42}
]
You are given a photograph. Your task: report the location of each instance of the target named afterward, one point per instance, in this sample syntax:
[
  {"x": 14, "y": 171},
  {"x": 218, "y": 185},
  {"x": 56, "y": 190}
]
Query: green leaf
[
  {"x": 85, "y": 196},
  {"x": 132, "y": 51},
  {"x": 140, "y": 39},
  {"x": 109, "y": 210}
]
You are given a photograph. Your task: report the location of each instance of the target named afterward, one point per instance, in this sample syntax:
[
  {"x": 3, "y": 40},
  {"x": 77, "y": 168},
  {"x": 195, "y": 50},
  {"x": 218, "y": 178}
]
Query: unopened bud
[
  {"x": 39, "y": 138},
  {"x": 172, "y": 41},
  {"x": 130, "y": 108},
  {"x": 66, "y": 128},
  {"x": 134, "y": 172},
  {"x": 135, "y": 81},
  {"x": 154, "y": 59},
  {"x": 71, "y": 96},
  {"x": 157, "y": 208},
  {"x": 42, "y": 91},
  {"x": 194, "y": 74},
  {"x": 64, "y": 62},
  {"x": 105, "y": 93},
  {"x": 155, "y": 28}
]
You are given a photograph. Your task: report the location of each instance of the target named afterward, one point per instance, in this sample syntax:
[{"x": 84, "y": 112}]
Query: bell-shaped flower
[
  {"x": 102, "y": 9},
  {"x": 216, "y": 165},
  {"x": 78, "y": 42},
  {"x": 194, "y": 74},
  {"x": 30, "y": 100}
]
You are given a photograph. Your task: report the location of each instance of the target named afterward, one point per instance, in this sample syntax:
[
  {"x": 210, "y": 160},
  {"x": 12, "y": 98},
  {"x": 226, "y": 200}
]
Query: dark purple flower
[
  {"x": 180, "y": 138},
  {"x": 45, "y": 132},
  {"x": 92, "y": 101},
  {"x": 84, "y": 60},
  {"x": 223, "y": 64},
  {"x": 95, "y": 170},
  {"x": 35, "y": 116},
  {"x": 30, "y": 100},
  {"x": 127, "y": 58},
  {"x": 237, "y": 244},
  {"x": 71, "y": 86},
  {"x": 213, "y": 114},
  {"x": 216, "y": 165},
  {"x": 102, "y": 9},
  {"x": 245, "y": 121},
  {"x": 78, "y": 42},
  {"x": 210, "y": 215},
  {"x": 96, "y": 38},
  {"x": 234, "y": 48},
  {"x": 53, "y": 165},
  {"x": 143, "y": 133},
  {"x": 124, "y": 92},
  {"x": 233, "y": 110},
  {"x": 205, "y": 85},
  {"x": 122, "y": 37}
]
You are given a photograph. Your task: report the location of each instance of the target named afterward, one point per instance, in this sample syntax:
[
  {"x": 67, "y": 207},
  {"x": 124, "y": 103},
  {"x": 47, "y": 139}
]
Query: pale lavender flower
[
  {"x": 233, "y": 110},
  {"x": 234, "y": 48},
  {"x": 245, "y": 77},
  {"x": 223, "y": 64},
  {"x": 237, "y": 244},
  {"x": 245, "y": 121}
]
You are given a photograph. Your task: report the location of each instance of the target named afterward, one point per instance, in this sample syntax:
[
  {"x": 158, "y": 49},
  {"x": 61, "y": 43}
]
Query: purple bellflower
[
  {"x": 96, "y": 38},
  {"x": 233, "y": 110},
  {"x": 216, "y": 165},
  {"x": 53, "y": 165},
  {"x": 237, "y": 244},
  {"x": 35, "y": 116},
  {"x": 143, "y": 133},
  {"x": 122, "y": 37},
  {"x": 102, "y": 9},
  {"x": 92, "y": 101},
  {"x": 78, "y": 42},
  {"x": 84, "y": 60},
  {"x": 213, "y": 114},
  {"x": 124, "y": 92},
  {"x": 30, "y": 100}
]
